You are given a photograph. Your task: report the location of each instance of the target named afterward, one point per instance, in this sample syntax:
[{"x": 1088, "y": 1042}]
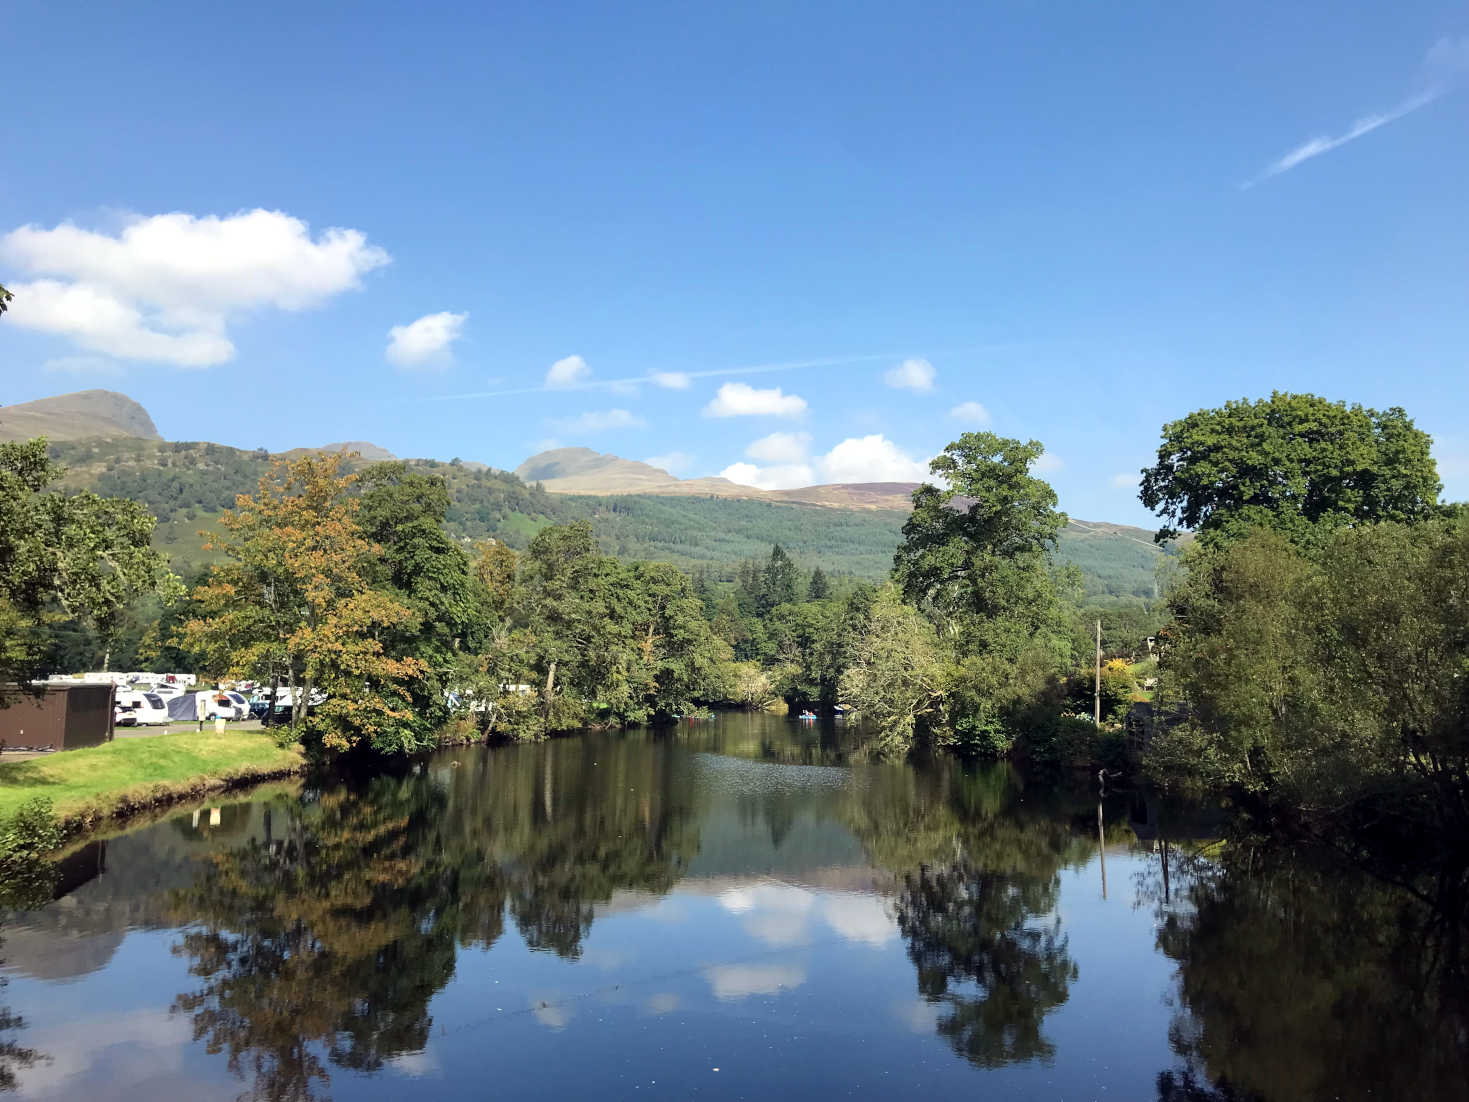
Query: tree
[
  {"x": 1290, "y": 462},
  {"x": 64, "y": 557},
  {"x": 976, "y": 549},
  {"x": 1328, "y": 679},
  {"x": 402, "y": 512},
  {"x": 777, "y": 580},
  {"x": 5, "y": 297},
  {"x": 294, "y": 596},
  {"x": 897, "y": 677},
  {"x": 975, "y": 558},
  {"x": 818, "y": 588}
]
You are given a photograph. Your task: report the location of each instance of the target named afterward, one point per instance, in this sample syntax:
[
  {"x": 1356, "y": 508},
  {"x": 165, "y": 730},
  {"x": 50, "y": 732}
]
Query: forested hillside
[{"x": 187, "y": 484}]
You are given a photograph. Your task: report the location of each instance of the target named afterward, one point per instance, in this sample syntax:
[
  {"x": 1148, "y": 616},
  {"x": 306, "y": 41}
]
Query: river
[{"x": 746, "y": 909}]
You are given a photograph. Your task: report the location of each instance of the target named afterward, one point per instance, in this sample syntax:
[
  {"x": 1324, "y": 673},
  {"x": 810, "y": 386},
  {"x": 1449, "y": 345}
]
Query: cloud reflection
[{"x": 739, "y": 981}]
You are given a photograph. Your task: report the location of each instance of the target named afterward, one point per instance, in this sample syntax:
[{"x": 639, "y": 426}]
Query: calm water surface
[{"x": 747, "y": 910}]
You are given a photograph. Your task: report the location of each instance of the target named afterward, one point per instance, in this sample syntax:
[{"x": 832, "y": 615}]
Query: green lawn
[{"x": 129, "y": 771}]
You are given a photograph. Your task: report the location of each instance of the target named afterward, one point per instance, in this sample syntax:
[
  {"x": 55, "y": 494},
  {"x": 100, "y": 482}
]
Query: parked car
[{"x": 123, "y": 715}]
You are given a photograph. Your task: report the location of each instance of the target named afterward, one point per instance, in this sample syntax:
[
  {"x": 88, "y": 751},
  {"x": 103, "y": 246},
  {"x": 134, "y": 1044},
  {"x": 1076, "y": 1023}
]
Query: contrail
[
  {"x": 652, "y": 377},
  {"x": 1362, "y": 127}
]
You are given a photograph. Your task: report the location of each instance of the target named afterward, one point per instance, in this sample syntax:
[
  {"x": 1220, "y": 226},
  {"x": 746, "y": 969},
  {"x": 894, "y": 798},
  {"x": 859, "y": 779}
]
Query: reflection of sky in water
[
  {"x": 777, "y": 960},
  {"x": 781, "y": 987}
]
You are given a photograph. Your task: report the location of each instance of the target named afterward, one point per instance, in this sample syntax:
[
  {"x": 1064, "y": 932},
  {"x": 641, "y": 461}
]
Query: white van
[{"x": 144, "y": 709}]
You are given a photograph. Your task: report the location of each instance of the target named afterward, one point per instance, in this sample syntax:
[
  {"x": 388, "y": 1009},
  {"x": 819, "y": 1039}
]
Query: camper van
[{"x": 141, "y": 709}]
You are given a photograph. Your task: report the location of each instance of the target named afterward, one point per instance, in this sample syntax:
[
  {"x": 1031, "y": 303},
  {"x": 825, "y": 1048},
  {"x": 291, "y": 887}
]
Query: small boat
[{"x": 807, "y": 715}]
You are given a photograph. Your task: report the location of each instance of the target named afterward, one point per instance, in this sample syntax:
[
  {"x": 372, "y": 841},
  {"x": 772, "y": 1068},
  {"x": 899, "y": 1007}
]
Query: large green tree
[
  {"x": 64, "y": 557},
  {"x": 975, "y": 546},
  {"x": 976, "y": 558},
  {"x": 402, "y": 512},
  {"x": 1291, "y": 462}
]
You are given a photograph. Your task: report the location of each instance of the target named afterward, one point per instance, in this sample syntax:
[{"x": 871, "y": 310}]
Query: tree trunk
[
  {"x": 298, "y": 706},
  {"x": 275, "y": 684}
]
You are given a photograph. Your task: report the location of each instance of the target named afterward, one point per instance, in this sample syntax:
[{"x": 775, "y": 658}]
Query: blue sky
[{"x": 280, "y": 225}]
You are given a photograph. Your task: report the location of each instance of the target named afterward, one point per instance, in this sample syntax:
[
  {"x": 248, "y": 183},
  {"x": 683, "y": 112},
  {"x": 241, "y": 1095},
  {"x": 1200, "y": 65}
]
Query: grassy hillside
[{"x": 188, "y": 484}]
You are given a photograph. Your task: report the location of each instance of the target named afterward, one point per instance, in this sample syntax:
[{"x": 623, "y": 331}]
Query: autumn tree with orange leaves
[{"x": 294, "y": 600}]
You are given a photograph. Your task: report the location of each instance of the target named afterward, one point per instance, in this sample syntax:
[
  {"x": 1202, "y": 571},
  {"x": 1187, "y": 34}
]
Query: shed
[{"x": 56, "y": 716}]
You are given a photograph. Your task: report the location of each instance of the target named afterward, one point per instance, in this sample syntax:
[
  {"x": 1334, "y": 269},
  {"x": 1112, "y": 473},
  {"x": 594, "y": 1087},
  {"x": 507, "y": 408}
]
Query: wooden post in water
[{"x": 1097, "y": 692}]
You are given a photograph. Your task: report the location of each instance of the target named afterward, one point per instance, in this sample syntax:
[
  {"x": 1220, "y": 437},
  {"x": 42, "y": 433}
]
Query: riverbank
[{"x": 87, "y": 787}]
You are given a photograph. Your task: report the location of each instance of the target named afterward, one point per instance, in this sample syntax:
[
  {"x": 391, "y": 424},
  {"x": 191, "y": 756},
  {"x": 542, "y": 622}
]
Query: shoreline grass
[{"x": 121, "y": 777}]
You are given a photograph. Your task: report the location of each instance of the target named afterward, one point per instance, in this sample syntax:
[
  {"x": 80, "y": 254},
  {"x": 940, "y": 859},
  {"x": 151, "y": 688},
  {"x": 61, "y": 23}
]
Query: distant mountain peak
[
  {"x": 578, "y": 470},
  {"x": 77, "y": 416}
]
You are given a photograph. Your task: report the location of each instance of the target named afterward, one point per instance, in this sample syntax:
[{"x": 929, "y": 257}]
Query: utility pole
[{"x": 1097, "y": 692}]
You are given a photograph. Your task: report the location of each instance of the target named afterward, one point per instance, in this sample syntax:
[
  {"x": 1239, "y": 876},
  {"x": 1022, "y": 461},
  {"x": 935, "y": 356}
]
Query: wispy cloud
[
  {"x": 1442, "y": 69},
  {"x": 672, "y": 462},
  {"x": 911, "y": 374},
  {"x": 971, "y": 413},
  {"x": 1361, "y": 128},
  {"x": 601, "y": 420}
]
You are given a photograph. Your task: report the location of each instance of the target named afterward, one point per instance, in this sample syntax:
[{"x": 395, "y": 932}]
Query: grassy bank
[{"x": 128, "y": 775}]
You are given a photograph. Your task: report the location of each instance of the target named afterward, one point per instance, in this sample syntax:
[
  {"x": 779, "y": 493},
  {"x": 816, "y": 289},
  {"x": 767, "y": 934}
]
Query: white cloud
[
  {"x": 601, "y": 420},
  {"x": 910, "y": 375},
  {"x": 568, "y": 371},
  {"x": 100, "y": 321},
  {"x": 672, "y": 462},
  {"x": 971, "y": 413},
  {"x": 671, "y": 380},
  {"x": 1047, "y": 463},
  {"x": 783, "y": 476},
  {"x": 781, "y": 447},
  {"x": 1125, "y": 480},
  {"x": 857, "y": 459},
  {"x": 164, "y": 288},
  {"x": 1444, "y": 66},
  {"x": 743, "y": 400},
  {"x": 872, "y": 458},
  {"x": 426, "y": 340}
]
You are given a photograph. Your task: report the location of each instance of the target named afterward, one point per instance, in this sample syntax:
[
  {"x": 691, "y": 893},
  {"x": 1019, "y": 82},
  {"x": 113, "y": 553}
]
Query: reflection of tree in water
[
  {"x": 14, "y": 1057},
  {"x": 1301, "y": 976},
  {"x": 570, "y": 822},
  {"x": 334, "y": 933},
  {"x": 978, "y": 879},
  {"x": 27, "y": 879},
  {"x": 323, "y": 943},
  {"x": 968, "y": 925}
]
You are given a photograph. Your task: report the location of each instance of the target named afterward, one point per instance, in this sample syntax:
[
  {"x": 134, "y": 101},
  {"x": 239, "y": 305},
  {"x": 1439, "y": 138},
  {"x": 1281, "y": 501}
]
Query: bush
[
  {"x": 982, "y": 736},
  {"x": 27, "y": 876}
]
